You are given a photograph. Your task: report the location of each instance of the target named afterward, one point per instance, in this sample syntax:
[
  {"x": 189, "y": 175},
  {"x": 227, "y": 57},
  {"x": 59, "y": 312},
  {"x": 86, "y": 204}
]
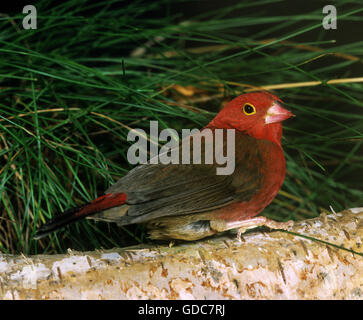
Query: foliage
[{"x": 71, "y": 89}]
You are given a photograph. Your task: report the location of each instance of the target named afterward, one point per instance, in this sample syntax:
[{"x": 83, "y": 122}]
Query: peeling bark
[{"x": 264, "y": 265}]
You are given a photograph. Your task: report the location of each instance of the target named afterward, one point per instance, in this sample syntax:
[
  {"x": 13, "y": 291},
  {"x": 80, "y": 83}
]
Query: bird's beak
[{"x": 276, "y": 113}]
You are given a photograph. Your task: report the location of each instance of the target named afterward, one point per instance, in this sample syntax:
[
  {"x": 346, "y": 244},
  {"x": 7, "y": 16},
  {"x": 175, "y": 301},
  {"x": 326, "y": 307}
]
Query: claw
[{"x": 239, "y": 233}]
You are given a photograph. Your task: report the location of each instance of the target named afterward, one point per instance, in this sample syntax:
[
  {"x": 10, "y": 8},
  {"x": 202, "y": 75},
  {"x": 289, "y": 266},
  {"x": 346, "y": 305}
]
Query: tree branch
[{"x": 265, "y": 265}]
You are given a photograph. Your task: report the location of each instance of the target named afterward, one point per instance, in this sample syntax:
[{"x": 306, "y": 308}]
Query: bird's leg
[{"x": 243, "y": 225}]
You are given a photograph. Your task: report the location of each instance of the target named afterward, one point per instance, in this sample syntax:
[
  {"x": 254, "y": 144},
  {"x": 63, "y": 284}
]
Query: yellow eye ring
[{"x": 249, "y": 109}]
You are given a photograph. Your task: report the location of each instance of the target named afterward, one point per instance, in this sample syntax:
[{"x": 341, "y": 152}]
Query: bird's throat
[{"x": 271, "y": 132}]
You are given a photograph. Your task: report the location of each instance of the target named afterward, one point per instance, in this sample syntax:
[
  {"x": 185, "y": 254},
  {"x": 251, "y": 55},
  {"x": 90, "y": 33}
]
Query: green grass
[{"x": 70, "y": 89}]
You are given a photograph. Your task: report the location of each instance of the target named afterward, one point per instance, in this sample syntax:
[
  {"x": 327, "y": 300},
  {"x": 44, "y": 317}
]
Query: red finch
[{"x": 191, "y": 201}]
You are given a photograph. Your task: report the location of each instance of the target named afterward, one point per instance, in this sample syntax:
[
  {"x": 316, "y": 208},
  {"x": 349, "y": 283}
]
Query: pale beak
[{"x": 276, "y": 113}]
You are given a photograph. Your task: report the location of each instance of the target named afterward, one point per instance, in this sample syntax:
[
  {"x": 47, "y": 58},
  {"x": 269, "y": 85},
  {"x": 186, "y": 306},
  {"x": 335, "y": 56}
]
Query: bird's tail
[{"x": 107, "y": 201}]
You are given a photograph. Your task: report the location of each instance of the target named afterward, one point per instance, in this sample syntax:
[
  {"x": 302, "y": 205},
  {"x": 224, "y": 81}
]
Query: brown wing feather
[{"x": 160, "y": 190}]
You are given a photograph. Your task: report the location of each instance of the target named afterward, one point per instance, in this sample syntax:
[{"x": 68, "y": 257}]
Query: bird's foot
[
  {"x": 243, "y": 225},
  {"x": 260, "y": 221}
]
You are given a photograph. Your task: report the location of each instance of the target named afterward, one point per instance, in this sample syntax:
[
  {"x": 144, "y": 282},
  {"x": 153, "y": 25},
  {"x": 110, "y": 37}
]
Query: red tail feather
[{"x": 107, "y": 201}]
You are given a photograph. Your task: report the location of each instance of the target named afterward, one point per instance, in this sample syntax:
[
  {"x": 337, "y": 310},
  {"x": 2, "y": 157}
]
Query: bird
[{"x": 190, "y": 201}]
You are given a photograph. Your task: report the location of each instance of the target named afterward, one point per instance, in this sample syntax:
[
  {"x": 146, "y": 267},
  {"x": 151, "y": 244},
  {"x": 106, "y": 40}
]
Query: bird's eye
[{"x": 249, "y": 109}]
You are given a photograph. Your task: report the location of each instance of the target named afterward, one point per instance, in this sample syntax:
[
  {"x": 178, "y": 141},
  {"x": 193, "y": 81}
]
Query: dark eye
[{"x": 249, "y": 109}]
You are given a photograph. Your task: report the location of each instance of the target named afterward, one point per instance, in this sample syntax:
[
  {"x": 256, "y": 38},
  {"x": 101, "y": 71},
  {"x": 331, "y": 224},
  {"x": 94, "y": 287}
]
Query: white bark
[{"x": 265, "y": 265}]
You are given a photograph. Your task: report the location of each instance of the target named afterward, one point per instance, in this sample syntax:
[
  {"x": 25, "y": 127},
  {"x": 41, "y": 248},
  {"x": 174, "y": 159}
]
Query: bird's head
[{"x": 259, "y": 114}]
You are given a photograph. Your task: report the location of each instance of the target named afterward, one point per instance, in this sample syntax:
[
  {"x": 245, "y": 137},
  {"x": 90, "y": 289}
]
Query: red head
[{"x": 259, "y": 114}]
